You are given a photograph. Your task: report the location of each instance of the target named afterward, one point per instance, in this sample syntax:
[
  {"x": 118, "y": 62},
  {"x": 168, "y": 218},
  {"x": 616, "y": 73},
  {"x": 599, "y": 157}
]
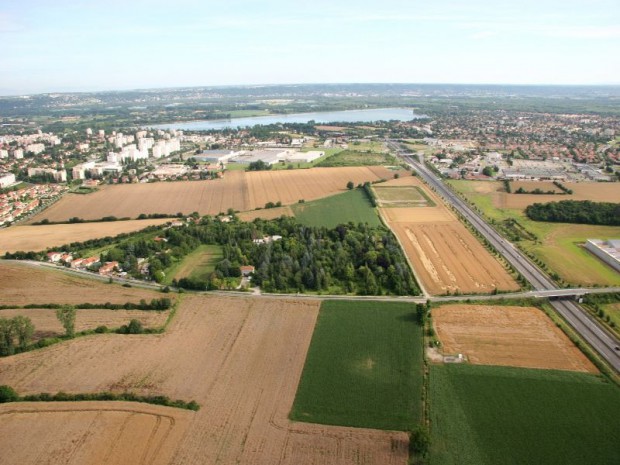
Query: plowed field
[
  {"x": 106, "y": 433},
  {"x": 42, "y": 237},
  {"x": 446, "y": 257},
  {"x": 46, "y": 323},
  {"x": 241, "y": 359},
  {"x": 237, "y": 190},
  {"x": 508, "y": 336},
  {"x": 23, "y": 284}
]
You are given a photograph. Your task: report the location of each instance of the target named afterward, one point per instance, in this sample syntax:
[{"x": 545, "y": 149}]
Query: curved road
[{"x": 603, "y": 342}]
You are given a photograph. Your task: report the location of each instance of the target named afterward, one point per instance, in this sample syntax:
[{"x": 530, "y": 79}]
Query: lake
[{"x": 348, "y": 116}]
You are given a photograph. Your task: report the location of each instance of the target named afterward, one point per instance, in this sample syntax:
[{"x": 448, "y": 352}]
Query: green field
[
  {"x": 351, "y": 206},
  {"x": 356, "y": 158},
  {"x": 196, "y": 265},
  {"x": 364, "y": 367},
  {"x": 558, "y": 245},
  {"x": 494, "y": 415}
]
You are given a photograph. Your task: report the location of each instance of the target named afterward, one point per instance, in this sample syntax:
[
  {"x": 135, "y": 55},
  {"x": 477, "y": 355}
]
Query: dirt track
[
  {"x": 241, "y": 359},
  {"x": 508, "y": 336}
]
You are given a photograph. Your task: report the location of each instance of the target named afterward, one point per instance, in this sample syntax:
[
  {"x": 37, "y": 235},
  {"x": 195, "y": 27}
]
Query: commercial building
[{"x": 608, "y": 251}]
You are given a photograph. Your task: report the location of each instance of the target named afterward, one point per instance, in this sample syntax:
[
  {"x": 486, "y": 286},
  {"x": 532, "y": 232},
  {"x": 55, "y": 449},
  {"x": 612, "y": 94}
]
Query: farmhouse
[
  {"x": 54, "y": 256},
  {"x": 246, "y": 270},
  {"x": 108, "y": 268}
]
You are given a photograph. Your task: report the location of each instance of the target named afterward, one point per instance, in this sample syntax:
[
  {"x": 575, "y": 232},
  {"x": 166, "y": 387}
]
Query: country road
[{"x": 601, "y": 340}]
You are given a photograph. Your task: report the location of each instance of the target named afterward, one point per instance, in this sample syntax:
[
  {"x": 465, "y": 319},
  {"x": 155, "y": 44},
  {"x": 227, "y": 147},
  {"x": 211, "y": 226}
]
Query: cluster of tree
[
  {"x": 576, "y": 211},
  {"x": 15, "y": 333},
  {"x": 350, "y": 258},
  {"x": 8, "y": 394},
  {"x": 259, "y": 165}
]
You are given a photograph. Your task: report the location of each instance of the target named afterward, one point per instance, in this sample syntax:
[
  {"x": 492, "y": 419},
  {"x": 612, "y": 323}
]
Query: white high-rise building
[
  {"x": 6, "y": 179},
  {"x": 4, "y": 154},
  {"x": 35, "y": 148},
  {"x": 18, "y": 154}
]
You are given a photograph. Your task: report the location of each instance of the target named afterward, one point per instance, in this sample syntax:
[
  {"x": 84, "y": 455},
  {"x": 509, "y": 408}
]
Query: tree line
[{"x": 576, "y": 211}]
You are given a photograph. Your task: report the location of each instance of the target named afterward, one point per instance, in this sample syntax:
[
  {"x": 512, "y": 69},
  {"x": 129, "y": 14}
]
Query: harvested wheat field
[
  {"x": 448, "y": 258},
  {"x": 46, "y": 324},
  {"x": 238, "y": 190},
  {"x": 23, "y": 284},
  {"x": 110, "y": 433},
  {"x": 507, "y": 336},
  {"x": 36, "y": 238},
  {"x": 240, "y": 359}
]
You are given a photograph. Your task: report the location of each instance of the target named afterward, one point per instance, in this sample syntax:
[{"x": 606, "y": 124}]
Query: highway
[{"x": 601, "y": 340}]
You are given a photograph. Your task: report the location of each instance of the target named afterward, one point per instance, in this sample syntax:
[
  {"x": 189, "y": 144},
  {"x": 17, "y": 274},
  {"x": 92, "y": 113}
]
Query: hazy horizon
[{"x": 154, "y": 44}]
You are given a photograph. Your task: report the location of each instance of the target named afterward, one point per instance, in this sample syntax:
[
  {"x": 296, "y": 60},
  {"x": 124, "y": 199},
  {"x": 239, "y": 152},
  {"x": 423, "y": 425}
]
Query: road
[{"x": 590, "y": 330}]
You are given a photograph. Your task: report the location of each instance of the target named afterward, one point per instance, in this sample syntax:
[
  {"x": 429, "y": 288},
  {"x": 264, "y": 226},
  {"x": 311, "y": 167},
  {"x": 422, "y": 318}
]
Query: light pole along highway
[{"x": 590, "y": 330}]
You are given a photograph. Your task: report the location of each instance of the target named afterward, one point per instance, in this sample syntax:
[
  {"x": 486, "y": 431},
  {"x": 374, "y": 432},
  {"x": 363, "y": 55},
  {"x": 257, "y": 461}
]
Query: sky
[{"x": 62, "y": 46}]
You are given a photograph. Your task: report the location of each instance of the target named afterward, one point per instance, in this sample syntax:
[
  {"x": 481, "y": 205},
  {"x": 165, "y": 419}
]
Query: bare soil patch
[
  {"x": 241, "y": 359},
  {"x": 507, "y": 336},
  {"x": 111, "y": 433},
  {"x": 238, "y": 190},
  {"x": 23, "y": 284},
  {"x": 36, "y": 238},
  {"x": 46, "y": 324}
]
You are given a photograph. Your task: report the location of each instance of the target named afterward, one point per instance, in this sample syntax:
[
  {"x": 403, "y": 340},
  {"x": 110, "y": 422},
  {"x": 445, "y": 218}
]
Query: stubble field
[
  {"x": 106, "y": 433},
  {"x": 240, "y": 359},
  {"x": 508, "y": 336},
  {"x": 238, "y": 190},
  {"x": 24, "y": 284},
  {"x": 445, "y": 255},
  {"x": 36, "y": 238}
]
